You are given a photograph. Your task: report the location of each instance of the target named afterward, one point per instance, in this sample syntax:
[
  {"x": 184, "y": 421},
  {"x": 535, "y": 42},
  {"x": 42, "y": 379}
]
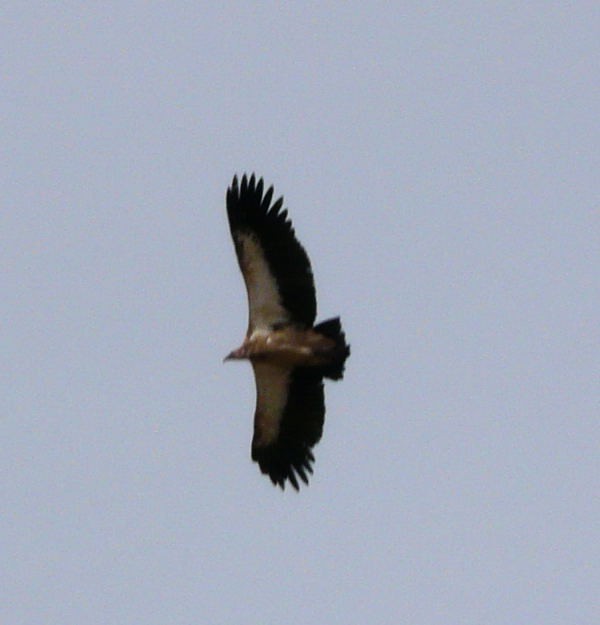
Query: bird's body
[
  {"x": 290, "y": 356},
  {"x": 288, "y": 347}
]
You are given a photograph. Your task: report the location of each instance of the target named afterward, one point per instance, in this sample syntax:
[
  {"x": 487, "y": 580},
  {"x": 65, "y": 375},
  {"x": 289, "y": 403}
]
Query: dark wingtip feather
[
  {"x": 233, "y": 190},
  {"x": 276, "y": 206},
  {"x": 293, "y": 480},
  {"x": 280, "y": 469},
  {"x": 267, "y": 199}
]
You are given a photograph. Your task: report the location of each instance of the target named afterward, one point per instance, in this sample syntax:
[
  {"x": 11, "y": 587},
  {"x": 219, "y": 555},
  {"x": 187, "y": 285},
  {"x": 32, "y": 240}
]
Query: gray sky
[{"x": 441, "y": 166}]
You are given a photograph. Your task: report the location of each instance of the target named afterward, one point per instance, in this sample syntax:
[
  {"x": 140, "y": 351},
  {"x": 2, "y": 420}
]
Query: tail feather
[{"x": 332, "y": 329}]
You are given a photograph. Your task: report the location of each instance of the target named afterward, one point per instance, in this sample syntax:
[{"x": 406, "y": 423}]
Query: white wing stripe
[
  {"x": 272, "y": 387},
  {"x": 264, "y": 302}
]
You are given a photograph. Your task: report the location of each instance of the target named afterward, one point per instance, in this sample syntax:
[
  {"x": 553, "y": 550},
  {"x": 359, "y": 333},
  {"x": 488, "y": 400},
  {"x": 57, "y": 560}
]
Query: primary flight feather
[{"x": 289, "y": 355}]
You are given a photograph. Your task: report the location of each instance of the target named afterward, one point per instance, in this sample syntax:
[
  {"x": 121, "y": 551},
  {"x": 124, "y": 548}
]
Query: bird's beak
[
  {"x": 236, "y": 354},
  {"x": 231, "y": 356}
]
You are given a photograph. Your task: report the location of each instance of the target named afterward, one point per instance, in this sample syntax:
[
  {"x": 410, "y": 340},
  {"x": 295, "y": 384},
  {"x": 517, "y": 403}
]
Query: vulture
[{"x": 290, "y": 355}]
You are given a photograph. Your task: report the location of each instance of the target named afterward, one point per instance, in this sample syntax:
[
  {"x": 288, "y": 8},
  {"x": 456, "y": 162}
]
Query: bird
[{"x": 290, "y": 355}]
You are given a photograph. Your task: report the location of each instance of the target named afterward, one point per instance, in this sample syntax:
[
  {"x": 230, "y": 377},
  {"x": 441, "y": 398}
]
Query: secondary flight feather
[{"x": 290, "y": 355}]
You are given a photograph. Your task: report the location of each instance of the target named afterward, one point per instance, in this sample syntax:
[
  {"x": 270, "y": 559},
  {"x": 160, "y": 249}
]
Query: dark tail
[{"x": 332, "y": 329}]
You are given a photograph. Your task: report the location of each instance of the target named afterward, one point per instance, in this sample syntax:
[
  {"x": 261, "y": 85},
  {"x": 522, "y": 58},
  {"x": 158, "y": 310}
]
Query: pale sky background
[{"x": 441, "y": 165}]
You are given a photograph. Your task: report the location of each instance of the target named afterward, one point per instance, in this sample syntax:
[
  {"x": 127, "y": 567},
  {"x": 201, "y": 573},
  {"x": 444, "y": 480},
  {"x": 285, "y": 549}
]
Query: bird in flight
[{"x": 289, "y": 355}]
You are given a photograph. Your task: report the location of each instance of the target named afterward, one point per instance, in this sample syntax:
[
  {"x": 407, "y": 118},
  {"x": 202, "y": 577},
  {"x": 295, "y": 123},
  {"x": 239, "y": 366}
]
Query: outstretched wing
[
  {"x": 290, "y": 411},
  {"x": 275, "y": 266}
]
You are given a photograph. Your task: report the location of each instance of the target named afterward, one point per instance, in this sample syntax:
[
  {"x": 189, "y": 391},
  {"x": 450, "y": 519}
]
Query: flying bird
[{"x": 289, "y": 355}]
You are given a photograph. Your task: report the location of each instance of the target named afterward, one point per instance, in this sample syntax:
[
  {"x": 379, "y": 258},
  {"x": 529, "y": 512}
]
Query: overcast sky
[{"x": 441, "y": 166}]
